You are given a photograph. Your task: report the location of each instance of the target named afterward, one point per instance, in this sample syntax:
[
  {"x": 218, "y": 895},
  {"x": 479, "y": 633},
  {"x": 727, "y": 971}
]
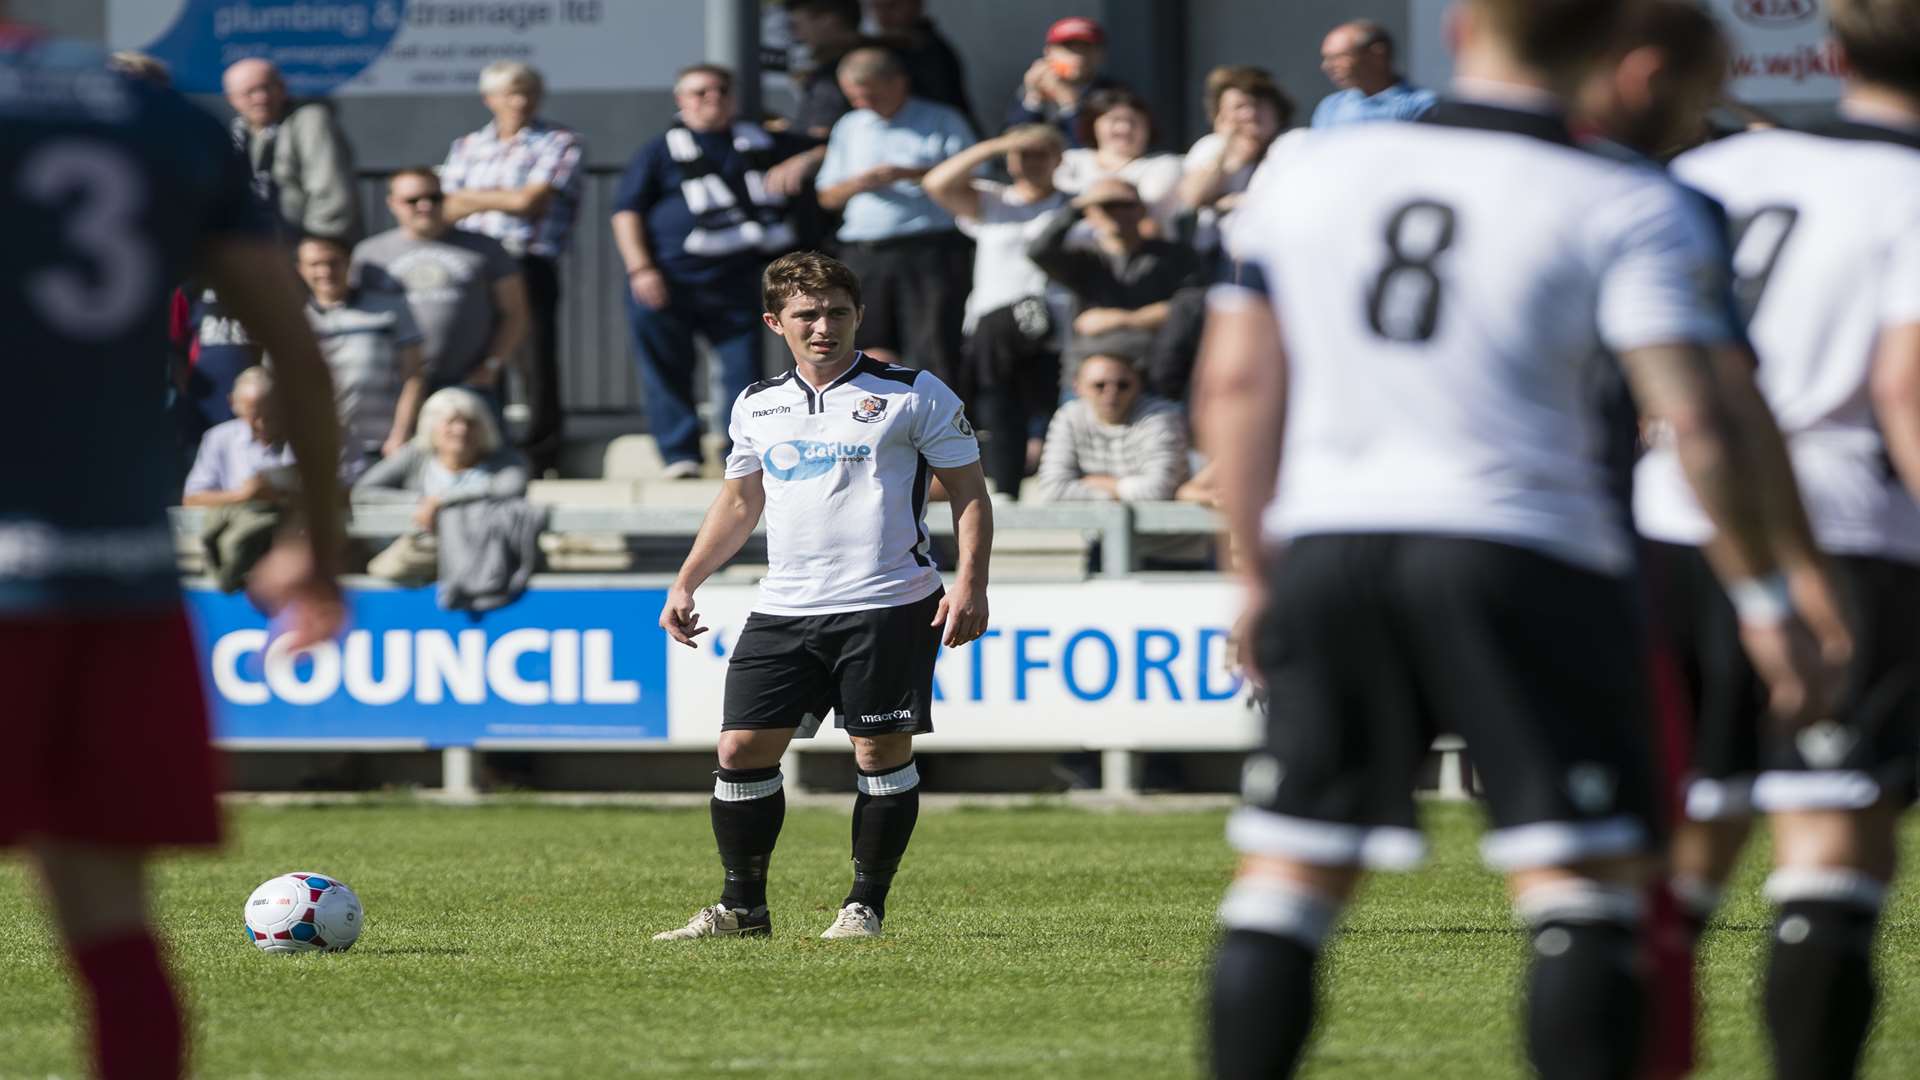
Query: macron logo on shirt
[{"x": 804, "y": 459}]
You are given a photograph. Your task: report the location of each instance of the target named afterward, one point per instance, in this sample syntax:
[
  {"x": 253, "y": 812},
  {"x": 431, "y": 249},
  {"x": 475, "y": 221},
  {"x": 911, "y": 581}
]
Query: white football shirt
[
  {"x": 846, "y": 471},
  {"x": 1826, "y": 254},
  {"x": 1443, "y": 291}
]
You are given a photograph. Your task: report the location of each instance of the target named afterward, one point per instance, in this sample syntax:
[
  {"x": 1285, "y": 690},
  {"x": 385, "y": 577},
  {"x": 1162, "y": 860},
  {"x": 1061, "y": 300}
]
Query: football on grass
[{"x": 303, "y": 912}]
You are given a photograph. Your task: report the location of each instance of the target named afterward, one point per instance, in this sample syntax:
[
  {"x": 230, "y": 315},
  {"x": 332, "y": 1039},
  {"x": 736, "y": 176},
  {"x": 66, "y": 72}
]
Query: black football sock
[
  {"x": 1820, "y": 988},
  {"x": 1586, "y": 1003},
  {"x": 748, "y": 808},
  {"x": 1262, "y": 1006},
  {"x": 884, "y": 813}
]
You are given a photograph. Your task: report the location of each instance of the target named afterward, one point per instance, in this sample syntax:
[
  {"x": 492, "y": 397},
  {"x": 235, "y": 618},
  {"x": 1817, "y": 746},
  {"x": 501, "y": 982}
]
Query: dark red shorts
[{"x": 103, "y": 732}]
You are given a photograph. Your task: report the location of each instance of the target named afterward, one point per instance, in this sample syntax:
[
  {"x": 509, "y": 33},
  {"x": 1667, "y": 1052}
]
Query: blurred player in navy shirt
[{"x": 114, "y": 191}]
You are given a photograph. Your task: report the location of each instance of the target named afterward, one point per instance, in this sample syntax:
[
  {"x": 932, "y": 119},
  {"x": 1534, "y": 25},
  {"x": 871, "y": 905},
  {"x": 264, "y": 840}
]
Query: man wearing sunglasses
[
  {"x": 1125, "y": 281},
  {"x": 465, "y": 290}
]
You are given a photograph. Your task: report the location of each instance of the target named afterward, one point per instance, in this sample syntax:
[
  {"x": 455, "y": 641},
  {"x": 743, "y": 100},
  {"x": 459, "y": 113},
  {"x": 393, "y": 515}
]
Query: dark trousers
[
  {"x": 544, "y": 419},
  {"x": 727, "y": 314},
  {"x": 1012, "y": 361},
  {"x": 915, "y": 291}
]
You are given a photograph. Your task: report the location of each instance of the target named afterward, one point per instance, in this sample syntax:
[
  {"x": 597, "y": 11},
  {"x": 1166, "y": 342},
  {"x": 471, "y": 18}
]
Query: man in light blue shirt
[
  {"x": 913, "y": 264},
  {"x": 1358, "y": 58}
]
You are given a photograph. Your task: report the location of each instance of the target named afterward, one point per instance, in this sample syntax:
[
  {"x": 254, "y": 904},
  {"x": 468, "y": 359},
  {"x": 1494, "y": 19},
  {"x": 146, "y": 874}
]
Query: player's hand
[
  {"x": 964, "y": 614},
  {"x": 679, "y": 620},
  {"x": 1240, "y": 650},
  {"x": 1789, "y": 662},
  {"x": 649, "y": 287},
  {"x": 1818, "y": 603},
  {"x": 304, "y": 600}
]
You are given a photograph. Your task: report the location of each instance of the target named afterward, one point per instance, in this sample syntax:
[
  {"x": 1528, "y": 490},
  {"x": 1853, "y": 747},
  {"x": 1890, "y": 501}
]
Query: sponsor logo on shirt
[
  {"x": 870, "y": 410},
  {"x": 804, "y": 459},
  {"x": 778, "y": 410}
]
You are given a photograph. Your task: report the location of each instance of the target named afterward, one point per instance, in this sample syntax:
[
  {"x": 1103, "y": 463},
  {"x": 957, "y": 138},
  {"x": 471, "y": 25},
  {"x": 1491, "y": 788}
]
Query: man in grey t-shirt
[
  {"x": 373, "y": 347},
  {"x": 465, "y": 290}
]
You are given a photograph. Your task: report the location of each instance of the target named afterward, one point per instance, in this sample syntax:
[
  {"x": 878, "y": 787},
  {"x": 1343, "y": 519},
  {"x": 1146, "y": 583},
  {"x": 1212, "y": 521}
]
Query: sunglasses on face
[
  {"x": 1120, "y": 207},
  {"x": 434, "y": 199},
  {"x": 1105, "y": 385}
]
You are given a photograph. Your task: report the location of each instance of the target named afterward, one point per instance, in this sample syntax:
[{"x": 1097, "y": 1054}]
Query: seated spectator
[
  {"x": 457, "y": 457},
  {"x": 373, "y": 348},
  {"x": 1116, "y": 132},
  {"x": 243, "y": 476},
  {"x": 1015, "y": 316},
  {"x": 1113, "y": 441},
  {"x": 1068, "y": 70},
  {"x": 1357, "y": 57},
  {"x": 700, "y": 212},
  {"x": 912, "y": 261},
  {"x": 830, "y": 29},
  {"x": 1249, "y": 111},
  {"x": 1126, "y": 280},
  {"x": 302, "y": 165},
  {"x": 934, "y": 71},
  {"x": 519, "y": 180},
  {"x": 467, "y": 294}
]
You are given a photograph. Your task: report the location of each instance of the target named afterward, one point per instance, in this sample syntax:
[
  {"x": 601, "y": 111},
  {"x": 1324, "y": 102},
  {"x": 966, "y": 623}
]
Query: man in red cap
[{"x": 1066, "y": 72}]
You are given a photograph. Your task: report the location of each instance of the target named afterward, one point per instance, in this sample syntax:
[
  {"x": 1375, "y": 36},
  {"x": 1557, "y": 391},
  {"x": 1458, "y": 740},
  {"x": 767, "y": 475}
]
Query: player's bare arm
[
  {"x": 964, "y": 609},
  {"x": 1240, "y": 387},
  {"x": 299, "y": 578},
  {"x": 1790, "y": 531},
  {"x": 1896, "y": 400},
  {"x": 729, "y": 521},
  {"x": 1677, "y": 384}
]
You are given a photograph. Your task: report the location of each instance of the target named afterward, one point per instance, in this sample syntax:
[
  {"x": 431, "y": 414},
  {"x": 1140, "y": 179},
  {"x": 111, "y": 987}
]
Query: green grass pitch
[{"x": 510, "y": 940}]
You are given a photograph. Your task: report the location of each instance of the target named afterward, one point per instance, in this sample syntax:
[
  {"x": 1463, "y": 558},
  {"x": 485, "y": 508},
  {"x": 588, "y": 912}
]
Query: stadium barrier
[{"x": 1123, "y": 665}]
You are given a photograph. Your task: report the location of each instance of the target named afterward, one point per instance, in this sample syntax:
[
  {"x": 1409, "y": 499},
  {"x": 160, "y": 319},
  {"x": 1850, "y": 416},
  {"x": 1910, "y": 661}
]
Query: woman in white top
[
  {"x": 1115, "y": 131},
  {"x": 1249, "y": 111},
  {"x": 1015, "y": 315}
]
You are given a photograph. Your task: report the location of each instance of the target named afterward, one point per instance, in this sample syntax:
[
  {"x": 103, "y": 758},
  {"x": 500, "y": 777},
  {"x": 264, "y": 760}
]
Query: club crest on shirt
[{"x": 870, "y": 409}]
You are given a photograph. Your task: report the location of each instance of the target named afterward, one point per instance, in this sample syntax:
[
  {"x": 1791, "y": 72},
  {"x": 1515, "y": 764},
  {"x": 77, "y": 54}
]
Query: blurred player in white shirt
[
  {"x": 1445, "y": 551},
  {"x": 1827, "y": 257}
]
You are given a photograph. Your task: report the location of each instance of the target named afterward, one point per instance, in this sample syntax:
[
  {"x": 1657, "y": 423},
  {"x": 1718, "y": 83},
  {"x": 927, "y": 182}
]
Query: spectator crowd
[{"x": 1051, "y": 272}]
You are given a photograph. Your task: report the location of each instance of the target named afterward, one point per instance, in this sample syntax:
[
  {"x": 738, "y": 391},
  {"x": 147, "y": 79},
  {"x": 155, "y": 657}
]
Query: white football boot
[
  {"x": 721, "y": 921},
  {"x": 854, "y": 921}
]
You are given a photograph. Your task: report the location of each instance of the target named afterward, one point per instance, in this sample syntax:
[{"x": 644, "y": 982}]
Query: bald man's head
[{"x": 256, "y": 91}]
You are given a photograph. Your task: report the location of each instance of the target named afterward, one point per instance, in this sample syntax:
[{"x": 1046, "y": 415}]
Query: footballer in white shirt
[
  {"x": 1399, "y": 400},
  {"x": 839, "y": 454},
  {"x": 1827, "y": 257}
]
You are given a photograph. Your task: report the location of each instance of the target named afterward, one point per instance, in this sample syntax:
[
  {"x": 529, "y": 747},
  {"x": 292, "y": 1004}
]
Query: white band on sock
[
  {"x": 1271, "y": 906},
  {"x": 898, "y": 782},
  {"x": 1838, "y": 884},
  {"x": 1578, "y": 901},
  {"x": 728, "y": 791}
]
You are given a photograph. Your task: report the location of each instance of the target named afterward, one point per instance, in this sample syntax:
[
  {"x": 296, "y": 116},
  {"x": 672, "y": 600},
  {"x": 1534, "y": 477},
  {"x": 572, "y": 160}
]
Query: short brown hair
[
  {"x": 1100, "y": 103},
  {"x": 1254, "y": 82},
  {"x": 1689, "y": 37},
  {"x": 805, "y": 272},
  {"x": 1882, "y": 41},
  {"x": 725, "y": 75},
  {"x": 424, "y": 172},
  {"x": 1558, "y": 35}
]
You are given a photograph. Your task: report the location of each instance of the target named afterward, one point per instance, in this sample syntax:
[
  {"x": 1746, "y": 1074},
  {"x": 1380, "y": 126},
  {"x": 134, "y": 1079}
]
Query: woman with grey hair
[
  {"x": 518, "y": 180},
  {"x": 455, "y": 457}
]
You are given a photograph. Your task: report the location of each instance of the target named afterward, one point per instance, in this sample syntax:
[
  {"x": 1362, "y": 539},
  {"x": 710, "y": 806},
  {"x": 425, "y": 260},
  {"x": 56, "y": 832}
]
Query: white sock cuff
[
  {"x": 1280, "y": 908},
  {"x": 728, "y": 791},
  {"x": 1838, "y": 884},
  {"x": 1579, "y": 902},
  {"x": 897, "y": 782}
]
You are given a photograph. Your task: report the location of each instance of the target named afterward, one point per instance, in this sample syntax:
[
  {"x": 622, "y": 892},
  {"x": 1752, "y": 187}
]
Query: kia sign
[{"x": 1782, "y": 52}]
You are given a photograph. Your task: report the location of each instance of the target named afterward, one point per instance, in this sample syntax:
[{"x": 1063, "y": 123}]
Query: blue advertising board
[{"x": 558, "y": 664}]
